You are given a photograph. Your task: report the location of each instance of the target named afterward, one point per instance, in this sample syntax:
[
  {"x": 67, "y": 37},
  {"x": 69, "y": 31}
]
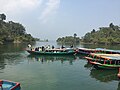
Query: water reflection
[
  {"x": 49, "y": 58},
  {"x": 2, "y": 63},
  {"x": 11, "y": 54},
  {"x": 88, "y": 66},
  {"x": 10, "y": 59},
  {"x": 12, "y": 48},
  {"x": 118, "y": 86},
  {"x": 103, "y": 75}
]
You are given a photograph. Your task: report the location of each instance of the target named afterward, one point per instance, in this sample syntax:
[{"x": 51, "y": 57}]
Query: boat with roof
[{"x": 104, "y": 61}]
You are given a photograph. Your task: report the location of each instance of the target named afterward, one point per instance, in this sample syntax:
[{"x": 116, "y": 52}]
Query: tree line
[
  {"x": 13, "y": 32},
  {"x": 105, "y": 35},
  {"x": 69, "y": 39}
]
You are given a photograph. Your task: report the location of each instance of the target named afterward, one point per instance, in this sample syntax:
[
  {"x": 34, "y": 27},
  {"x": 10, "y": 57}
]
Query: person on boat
[
  {"x": 29, "y": 45},
  {"x": 71, "y": 46},
  {"x": 43, "y": 48},
  {"x": 32, "y": 49},
  {"x": 53, "y": 47},
  {"x": 62, "y": 47},
  {"x": 40, "y": 49},
  {"x": 37, "y": 49},
  {"x": 48, "y": 46}
]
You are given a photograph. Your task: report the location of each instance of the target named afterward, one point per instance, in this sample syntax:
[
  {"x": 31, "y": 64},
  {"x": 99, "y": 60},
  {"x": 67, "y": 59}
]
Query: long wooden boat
[
  {"x": 9, "y": 85},
  {"x": 66, "y": 51},
  {"x": 102, "y": 58},
  {"x": 105, "y": 61},
  {"x": 98, "y": 65},
  {"x": 108, "y": 51},
  {"x": 87, "y": 51}
]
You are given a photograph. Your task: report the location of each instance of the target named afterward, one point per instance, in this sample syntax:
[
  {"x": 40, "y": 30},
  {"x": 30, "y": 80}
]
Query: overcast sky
[{"x": 50, "y": 19}]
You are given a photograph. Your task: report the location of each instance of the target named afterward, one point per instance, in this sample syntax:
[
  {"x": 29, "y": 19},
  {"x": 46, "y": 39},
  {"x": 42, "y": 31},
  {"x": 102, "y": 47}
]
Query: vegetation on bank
[
  {"x": 69, "y": 39},
  {"x": 13, "y": 32},
  {"x": 105, "y": 35}
]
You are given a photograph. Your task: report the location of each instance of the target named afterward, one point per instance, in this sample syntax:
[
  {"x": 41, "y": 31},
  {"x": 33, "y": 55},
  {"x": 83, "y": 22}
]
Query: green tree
[
  {"x": 13, "y": 32},
  {"x": 75, "y": 35},
  {"x": 69, "y": 40},
  {"x": 93, "y": 31},
  {"x": 105, "y": 35},
  {"x": 2, "y": 17}
]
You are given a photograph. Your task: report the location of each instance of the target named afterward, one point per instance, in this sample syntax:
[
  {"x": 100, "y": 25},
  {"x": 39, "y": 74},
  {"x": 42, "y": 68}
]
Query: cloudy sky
[{"x": 50, "y": 19}]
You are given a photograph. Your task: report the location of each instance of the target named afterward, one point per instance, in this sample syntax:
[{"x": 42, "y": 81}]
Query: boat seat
[{"x": 5, "y": 87}]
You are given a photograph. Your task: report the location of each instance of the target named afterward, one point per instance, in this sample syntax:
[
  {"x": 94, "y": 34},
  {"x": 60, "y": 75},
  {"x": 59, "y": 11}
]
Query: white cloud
[
  {"x": 51, "y": 7},
  {"x": 18, "y": 6}
]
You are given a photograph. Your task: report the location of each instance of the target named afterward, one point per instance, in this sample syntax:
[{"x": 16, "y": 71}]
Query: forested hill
[
  {"x": 105, "y": 35},
  {"x": 13, "y": 32},
  {"x": 69, "y": 39}
]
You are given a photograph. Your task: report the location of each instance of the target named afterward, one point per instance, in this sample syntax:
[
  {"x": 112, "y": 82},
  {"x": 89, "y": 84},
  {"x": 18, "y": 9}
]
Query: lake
[{"x": 54, "y": 72}]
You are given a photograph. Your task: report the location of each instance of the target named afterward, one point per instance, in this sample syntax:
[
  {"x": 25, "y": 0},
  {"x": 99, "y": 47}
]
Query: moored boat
[
  {"x": 65, "y": 51},
  {"x": 104, "y": 61},
  {"x": 108, "y": 51},
  {"x": 98, "y": 65},
  {"x": 87, "y": 51},
  {"x": 9, "y": 85},
  {"x": 100, "y": 57}
]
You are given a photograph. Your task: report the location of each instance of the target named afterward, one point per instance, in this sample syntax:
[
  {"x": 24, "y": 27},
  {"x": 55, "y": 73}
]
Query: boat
[
  {"x": 108, "y": 51},
  {"x": 98, "y": 65},
  {"x": 100, "y": 57},
  {"x": 9, "y": 85},
  {"x": 104, "y": 61},
  {"x": 57, "y": 51},
  {"x": 87, "y": 51}
]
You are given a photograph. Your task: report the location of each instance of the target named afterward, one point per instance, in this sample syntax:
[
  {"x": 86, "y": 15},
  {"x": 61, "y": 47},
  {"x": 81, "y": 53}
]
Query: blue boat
[{"x": 9, "y": 85}]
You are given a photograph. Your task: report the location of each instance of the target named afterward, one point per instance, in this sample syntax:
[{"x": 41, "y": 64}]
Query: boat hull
[
  {"x": 98, "y": 65},
  {"x": 50, "y": 53},
  {"x": 87, "y": 51},
  {"x": 9, "y": 85}
]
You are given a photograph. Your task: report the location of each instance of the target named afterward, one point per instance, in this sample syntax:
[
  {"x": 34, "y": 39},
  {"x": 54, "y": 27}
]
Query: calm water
[{"x": 54, "y": 72}]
